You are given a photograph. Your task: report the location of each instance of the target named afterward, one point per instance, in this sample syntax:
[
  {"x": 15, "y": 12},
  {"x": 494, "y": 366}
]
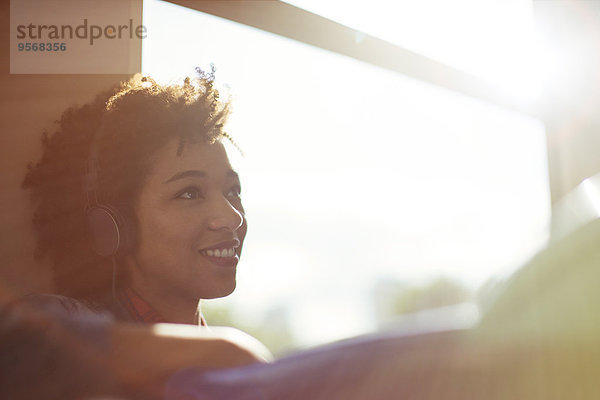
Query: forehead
[{"x": 209, "y": 158}]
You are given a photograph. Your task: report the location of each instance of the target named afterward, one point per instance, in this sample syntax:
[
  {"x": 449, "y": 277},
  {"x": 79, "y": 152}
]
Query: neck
[{"x": 175, "y": 309}]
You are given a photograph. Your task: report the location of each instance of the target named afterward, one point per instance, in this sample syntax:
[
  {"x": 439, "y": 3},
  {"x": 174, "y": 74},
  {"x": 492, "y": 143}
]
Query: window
[{"x": 355, "y": 175}]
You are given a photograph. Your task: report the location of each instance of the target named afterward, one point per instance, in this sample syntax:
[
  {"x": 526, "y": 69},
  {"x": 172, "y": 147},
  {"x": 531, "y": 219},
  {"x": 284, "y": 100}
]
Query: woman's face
[{"x": 190, "y": 225}]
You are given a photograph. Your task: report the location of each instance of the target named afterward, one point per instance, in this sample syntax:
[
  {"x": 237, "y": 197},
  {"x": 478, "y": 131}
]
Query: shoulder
[{"x": 59, "y": 304}]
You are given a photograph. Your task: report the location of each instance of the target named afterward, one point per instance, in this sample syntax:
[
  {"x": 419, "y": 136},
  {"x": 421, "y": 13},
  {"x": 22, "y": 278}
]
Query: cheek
[
  {"x": 243, "y": 229},
  {"x": 166, "y": 235}
]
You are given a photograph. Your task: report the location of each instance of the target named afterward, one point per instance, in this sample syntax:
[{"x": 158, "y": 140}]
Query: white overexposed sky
[{"x": 352, "y": 173}]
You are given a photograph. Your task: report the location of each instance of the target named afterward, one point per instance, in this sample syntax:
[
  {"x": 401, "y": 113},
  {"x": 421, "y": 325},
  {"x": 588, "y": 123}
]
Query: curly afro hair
[{"x": 126, "y": 125}]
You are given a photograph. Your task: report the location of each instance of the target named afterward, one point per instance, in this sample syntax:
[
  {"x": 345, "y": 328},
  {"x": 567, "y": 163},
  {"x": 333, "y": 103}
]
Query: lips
[{"x": 222, "y": 254}]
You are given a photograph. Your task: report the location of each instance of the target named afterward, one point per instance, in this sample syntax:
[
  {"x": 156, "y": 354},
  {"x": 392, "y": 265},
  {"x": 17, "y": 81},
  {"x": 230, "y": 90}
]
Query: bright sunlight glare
[
  {"x": 355, "y": 175},
  {"x": 495, "y": 40}
]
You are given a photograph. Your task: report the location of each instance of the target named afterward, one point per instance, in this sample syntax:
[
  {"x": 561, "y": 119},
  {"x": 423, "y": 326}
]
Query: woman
[{"x": 137, "y": 207}]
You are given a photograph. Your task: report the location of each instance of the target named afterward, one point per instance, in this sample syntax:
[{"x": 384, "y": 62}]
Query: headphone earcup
[{"x": 107, "y": 230}]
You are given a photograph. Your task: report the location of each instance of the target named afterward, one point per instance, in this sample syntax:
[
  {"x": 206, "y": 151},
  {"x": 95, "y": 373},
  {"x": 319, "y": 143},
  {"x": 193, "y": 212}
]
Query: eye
[
  {"x": 234, "y": 193},
  {"x": 189, "y": 193}
]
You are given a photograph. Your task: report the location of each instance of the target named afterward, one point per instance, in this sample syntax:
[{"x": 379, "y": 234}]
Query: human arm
[
  {"x": 148, "y": 355},
  {"x": 47, "y": 352}
]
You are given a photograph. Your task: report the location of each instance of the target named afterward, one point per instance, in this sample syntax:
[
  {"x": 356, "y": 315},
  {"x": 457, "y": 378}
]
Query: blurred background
[
  {"x": 397, "y": 156},
  {"x": 370, "y": 194}
]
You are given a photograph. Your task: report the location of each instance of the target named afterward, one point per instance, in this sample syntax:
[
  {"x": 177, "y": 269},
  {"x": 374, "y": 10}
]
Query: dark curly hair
[{"x": 127, "y": 124}]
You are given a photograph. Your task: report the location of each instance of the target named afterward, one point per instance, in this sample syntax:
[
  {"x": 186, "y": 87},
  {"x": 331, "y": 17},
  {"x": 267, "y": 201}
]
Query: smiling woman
[
  {"x": 190, "y": 229},
  {"x": 136, "y": 204}
]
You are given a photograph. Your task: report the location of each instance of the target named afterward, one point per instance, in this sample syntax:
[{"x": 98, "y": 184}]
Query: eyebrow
[
  {"x": 197, "y": 174},
  {"x": 186, "y": 174}
]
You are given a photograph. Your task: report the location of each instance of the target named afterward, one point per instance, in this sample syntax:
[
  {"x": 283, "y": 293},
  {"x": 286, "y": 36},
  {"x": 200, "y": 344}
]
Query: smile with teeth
[{"x": 230, "y": 252}]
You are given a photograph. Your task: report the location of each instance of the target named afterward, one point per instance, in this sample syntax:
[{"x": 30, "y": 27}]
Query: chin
[{"x": 221, "y": 291}]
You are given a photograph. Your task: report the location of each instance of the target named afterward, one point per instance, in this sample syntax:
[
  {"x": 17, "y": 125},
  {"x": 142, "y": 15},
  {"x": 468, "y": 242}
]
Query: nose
[{"x": 225, "y": 216}]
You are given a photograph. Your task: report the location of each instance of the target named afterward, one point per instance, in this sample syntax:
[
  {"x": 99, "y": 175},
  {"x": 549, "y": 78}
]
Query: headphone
[{"x": 106, "y": 225}]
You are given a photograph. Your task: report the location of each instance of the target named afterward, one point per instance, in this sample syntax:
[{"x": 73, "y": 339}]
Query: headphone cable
[{"x": 114, "y": 278}]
